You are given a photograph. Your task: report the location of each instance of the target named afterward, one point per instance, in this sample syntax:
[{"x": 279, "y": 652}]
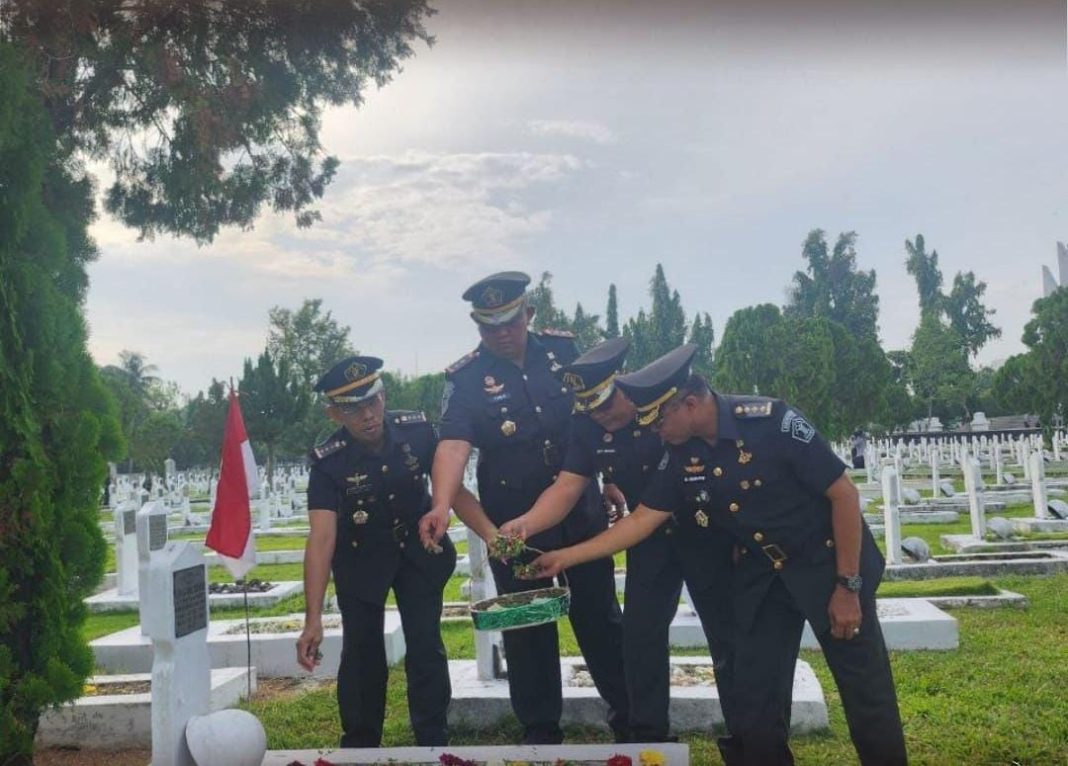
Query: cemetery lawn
[{"x": 999, "y": 699}]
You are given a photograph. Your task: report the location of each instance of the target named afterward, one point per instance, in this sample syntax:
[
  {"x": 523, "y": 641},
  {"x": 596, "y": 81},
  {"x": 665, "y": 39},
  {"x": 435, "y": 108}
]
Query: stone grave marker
[
  {"x": 934, "y": 474},
  {"x": 1038, "y": 485},
  {"x": 976, "y": 507},
  {"x": 489, "y": 646},
  {"x": 126, "y": 549},
  {"x": 151, "y": 530},
  {"x": 891, "y": 519},
  {"x": 175, "y": 617}
]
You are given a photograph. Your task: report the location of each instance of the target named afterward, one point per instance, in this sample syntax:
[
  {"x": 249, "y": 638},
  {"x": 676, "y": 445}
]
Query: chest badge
[
  {"x": 491, "y": 386},
  {"x": 357, "y": 479},
  {"x": 508, "y": 427},
  {"x": 410, "y": 460},
  {"x": 695, "y": 466},
  {"x": 701, "y": 518},
  {"x": 744, "y": 457},
  {"x": 360, "y": 517}
]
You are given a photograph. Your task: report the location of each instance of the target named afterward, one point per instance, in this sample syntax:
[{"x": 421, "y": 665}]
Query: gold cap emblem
[
  {"x": 492, "y": 297},
  {"x": 355, "y": 371}
]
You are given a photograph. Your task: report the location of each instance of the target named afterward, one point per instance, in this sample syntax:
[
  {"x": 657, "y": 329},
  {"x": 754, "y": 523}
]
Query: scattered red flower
[
  {"x": 620, "y": 760},
  {"x": 448, "y": 759}
]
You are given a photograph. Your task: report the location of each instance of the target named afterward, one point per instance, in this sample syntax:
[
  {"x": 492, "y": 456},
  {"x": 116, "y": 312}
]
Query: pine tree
[{"x": 611, "y": 329}]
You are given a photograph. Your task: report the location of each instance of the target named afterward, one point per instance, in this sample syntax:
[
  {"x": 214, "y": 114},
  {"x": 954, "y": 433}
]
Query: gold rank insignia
[
  {"x": 360, "y": 517},
  {"x": 696, "y": 466},
  {"x": 357, "y": 479},
  {"x": 508, "y": 427},
  {"x": 701, "y": 518},
  {"x": 744, "y": 457}
]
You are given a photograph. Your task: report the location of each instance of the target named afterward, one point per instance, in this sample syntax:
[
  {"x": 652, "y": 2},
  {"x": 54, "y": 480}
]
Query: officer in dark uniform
[
  {"x": 367, "y": 491},
  {"x": 507, "y": 399},
  {"x": 607, "y": 439},
  {"x": 756, "y": 469}
]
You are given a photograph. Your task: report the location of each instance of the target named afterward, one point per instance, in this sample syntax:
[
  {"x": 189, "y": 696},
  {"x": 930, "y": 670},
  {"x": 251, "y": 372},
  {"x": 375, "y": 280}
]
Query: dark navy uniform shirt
[
  {"x": 379, "y": 498},
  {"x": 519, "y": 418},
  {"x": 763, "y": 482},
  {"x": 627, "y": 458}
]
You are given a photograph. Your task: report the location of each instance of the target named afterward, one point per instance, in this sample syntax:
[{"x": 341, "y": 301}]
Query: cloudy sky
[{"x": 595, "y": 139}]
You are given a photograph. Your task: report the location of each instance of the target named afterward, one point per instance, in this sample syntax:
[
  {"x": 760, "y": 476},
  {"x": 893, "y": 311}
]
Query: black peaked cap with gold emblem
[
  {"x": 592, "y": 376},
  {"x": 351, "y": 380},
  {"x": 658, "y": 381},
  {"x": 498, "y": 298}
]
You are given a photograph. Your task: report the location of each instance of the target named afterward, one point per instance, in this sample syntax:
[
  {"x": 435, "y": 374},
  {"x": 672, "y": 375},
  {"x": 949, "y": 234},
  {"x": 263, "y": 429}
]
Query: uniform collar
[{"x": 726, "y": 424}]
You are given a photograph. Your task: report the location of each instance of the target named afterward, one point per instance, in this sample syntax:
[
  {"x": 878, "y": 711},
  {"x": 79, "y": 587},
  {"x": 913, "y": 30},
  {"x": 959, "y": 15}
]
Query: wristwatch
[{"x": 853, "y": 583}]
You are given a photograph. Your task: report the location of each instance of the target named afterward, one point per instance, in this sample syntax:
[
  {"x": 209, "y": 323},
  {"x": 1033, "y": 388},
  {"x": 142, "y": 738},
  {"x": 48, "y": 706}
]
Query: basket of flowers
[{"x": 525, "y": 609}]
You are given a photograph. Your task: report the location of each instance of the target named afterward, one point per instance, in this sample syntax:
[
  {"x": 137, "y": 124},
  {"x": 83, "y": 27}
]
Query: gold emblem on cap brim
[
  {"x": 492, "y": 297},
  {"x": 355, "y": 371}
]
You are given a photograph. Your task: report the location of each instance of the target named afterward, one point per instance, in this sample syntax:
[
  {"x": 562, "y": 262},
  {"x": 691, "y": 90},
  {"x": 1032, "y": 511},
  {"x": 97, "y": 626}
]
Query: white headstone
[
  {"x": 489, "y": 646},
  {"x": 1057, "y": 447},
  {"x": 934, "y": 473},
  {"x": 976, "y": 506},
  {"x": 999, "y": 465},
  {"x": 126, "y": 549},
  {"x": 979, "y": 422},
  {"x": 175, "y": 617},
  {"x": 1038, "y": 485},
  {"x": 1025, "y": 458},
  {"x": 151, "y": 526},
  {"x": 891, "y": 519}
]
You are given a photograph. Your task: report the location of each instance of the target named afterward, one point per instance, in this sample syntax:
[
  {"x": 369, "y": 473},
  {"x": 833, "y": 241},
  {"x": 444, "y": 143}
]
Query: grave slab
[
  {"x": 481, "y": 704},
  {"x": 113, "y": 721},
  {"x": 1039, "y": 526},
  {"x": 982, "y": 565},
  {"x": 110, "y": 601},
  {"x": 907, "y": 624},
  {"x": 1003, "y": 598},
  {"x": 917, "y": 517},
  {"x": 273, "y": 654},
  {"x": 674, "y": 753},
  {"x": 968, "y": 544}
]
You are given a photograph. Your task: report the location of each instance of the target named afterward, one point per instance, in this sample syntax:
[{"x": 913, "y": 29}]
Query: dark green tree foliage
[
  {"x": 208, "y": 111},
  {"x": 923, "y": 267},
  {"x": 57, "y": 424},
  {"x": 746, "y": 359},
  {"x": 832, "y": 288},
  {"x": 662, "y": 329},
  {"x": 611, "y": 321},
  {"x": 1046, "y": 335},
  {"x": 204, "y": 420},
  {"x": 703, "y": 336},
  {"x": 1016, "y": 388},
  {"x": 416, "y": 393},
  {"x": 940, "y": 374},
  {"x": 587, "y": 328},
  {"x": 546, "y": 314},
  {"x": 272, "y": 399},
  {"x": 155, "y": 440},
  {"x": 967, "y": 314},
  {"x": 310, "y": 341}
]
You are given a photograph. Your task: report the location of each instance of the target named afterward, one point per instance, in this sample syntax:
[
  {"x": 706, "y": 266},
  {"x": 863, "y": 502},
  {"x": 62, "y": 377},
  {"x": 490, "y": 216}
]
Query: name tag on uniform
[{"x": 688, "y": 479}]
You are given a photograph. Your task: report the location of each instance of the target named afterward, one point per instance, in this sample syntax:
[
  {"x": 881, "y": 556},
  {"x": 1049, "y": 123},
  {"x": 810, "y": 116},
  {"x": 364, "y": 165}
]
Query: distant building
[{"x": 1049, "y": 283}]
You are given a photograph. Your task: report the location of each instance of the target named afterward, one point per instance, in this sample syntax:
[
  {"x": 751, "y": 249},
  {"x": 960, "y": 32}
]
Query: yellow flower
[
  {"x": 88, "y": 690},
  {"x": 652, "y": 758}
]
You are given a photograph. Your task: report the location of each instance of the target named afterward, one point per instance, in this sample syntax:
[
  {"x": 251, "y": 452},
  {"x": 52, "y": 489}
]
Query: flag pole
[{"x": 248, "y": 628}]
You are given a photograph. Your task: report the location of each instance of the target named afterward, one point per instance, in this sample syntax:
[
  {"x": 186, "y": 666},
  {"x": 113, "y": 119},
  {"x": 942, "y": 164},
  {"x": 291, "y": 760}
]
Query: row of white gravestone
[{"x": 951, "y": 449}]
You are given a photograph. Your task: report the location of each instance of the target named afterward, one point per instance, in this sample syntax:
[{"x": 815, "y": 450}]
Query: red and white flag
[{"x": 231, "y": 519}]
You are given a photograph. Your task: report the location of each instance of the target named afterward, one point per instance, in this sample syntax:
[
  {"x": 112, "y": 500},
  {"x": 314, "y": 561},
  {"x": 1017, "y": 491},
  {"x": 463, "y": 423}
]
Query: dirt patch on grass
[
  {"x": 56, "y": 756},
  {"x": 270, "y": 689}
]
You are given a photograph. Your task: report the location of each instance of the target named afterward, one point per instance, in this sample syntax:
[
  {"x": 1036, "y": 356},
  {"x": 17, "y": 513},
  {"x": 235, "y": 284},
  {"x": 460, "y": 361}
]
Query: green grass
[
  {"x": 999, "y": 699},
  {"x": 946, "y": 586}
]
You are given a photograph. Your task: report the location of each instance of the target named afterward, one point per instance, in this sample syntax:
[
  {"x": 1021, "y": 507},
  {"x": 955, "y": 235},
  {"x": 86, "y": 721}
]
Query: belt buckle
[{"x": 775, "y": 553}]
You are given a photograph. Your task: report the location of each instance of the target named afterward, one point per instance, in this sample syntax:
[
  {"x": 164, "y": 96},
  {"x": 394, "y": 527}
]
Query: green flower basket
[{"x": 521, "y": 610}]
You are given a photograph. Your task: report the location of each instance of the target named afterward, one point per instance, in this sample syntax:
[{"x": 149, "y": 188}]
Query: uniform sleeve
[
  {"x": 457, "y": 414},
  {"x": 809, "y": 455},
  {"x": 579, "y": 458},
  {"x": 322, "y": 492},
  {"x": 663, "y": 493}
]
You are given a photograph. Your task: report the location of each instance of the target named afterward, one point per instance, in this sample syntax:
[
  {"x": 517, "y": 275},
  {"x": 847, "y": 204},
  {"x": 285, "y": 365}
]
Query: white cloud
[{"x": 581, "y": 129}]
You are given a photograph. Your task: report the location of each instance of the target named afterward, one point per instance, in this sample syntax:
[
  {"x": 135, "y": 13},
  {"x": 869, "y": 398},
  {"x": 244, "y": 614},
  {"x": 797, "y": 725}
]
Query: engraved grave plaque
[
  {"x": 190, "y": 600},
  {"x": 157, "y": 531},
  {"x": 129, "y": 522}
]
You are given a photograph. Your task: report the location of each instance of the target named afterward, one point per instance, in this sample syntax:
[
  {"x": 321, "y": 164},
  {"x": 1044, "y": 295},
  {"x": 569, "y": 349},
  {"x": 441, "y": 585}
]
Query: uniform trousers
[
  {"x": 654, "y": 584},
  {"x": 363, "y": 673},
  {"x": 766, "y": 656},
  {"x": 533, "y": 654}
]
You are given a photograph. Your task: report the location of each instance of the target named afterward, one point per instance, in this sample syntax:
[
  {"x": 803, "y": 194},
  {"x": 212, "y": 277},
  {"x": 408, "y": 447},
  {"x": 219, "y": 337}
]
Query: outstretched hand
[
  {"x": 432, "y": 526},
  {"x": 549, "y": 564},
  {"x": 615, "y": 504},
  {"x": 517, "y": 527}
]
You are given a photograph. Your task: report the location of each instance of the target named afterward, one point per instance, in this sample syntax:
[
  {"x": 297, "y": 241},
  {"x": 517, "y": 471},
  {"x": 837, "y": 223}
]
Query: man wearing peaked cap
[
  {"x": 755, "y": 469},
  {"x": 508, "y": 399},
  {"x": 607, "y": 440},
  {"x": 367, "y": 490}
]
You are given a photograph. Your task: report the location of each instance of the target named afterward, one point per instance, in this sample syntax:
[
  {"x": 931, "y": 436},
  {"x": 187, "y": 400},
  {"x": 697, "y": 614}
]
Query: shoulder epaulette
[
  {"x": 408, "y": 417},
  {"x": 462, "y": 362},
  {"x": 752, "y": 407},
  {"x": 557, "y": 333},
  {"x": 329, "y": 447}
]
